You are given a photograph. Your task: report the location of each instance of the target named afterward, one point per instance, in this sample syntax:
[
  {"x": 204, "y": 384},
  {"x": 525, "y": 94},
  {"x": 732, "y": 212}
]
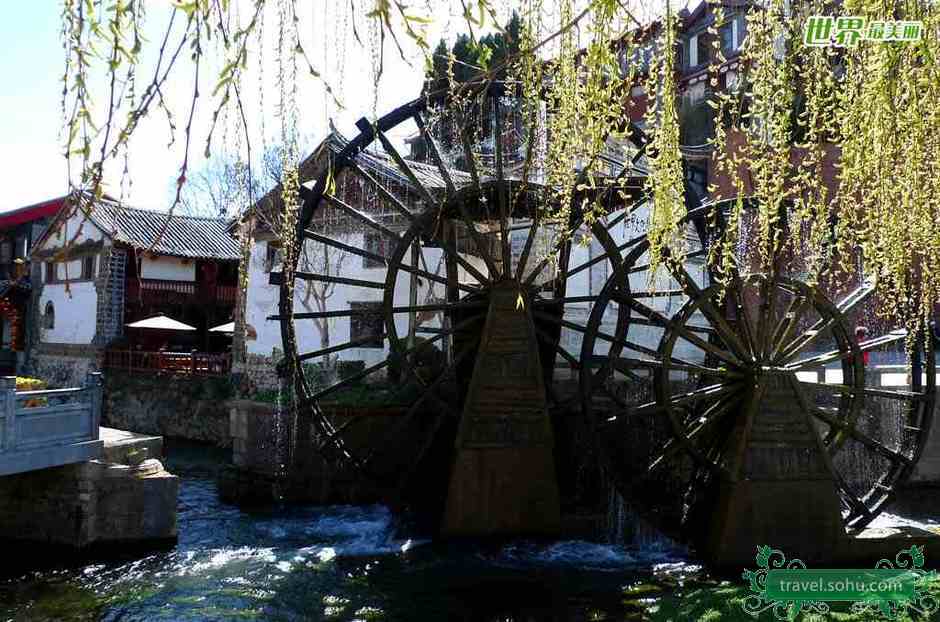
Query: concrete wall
[{"x": 167, "y": 269}]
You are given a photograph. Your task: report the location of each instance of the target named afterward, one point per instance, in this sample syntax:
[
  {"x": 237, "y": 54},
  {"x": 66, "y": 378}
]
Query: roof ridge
[{"x": 162, "y": 213}]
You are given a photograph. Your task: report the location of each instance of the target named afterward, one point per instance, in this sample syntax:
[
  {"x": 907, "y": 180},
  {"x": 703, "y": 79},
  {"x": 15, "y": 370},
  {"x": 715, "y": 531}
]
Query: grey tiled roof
[
  {"x": 382, "y": 165},
  {"x": 180, "y": 236}
]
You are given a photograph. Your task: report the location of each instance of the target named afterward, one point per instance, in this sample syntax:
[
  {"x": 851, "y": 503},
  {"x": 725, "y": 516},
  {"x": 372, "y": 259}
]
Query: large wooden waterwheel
[
  {"x": 483, "y": 305},
  {"x": 493, "y": 328},
  {"x": 768, "y": 380}
]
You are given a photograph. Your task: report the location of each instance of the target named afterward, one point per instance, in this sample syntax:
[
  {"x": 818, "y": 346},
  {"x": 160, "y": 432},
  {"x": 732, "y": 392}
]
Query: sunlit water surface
[{"x": 337, "y": 563}]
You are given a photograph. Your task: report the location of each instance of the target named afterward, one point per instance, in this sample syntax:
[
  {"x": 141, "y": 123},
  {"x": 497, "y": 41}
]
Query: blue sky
[
  {"x": 31, "y": 67},
  {"x": 32, "y": 63}
]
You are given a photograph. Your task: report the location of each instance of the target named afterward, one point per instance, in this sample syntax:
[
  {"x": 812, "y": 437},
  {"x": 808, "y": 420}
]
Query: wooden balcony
[
  {"x": 171, "y": 363},
  {"x": 159, "y": 291},
  {"x": 41, "y": 429}
]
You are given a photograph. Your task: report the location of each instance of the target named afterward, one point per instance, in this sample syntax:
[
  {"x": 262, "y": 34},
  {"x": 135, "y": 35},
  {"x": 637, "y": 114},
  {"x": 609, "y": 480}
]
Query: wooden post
[
  {"x": 93, "y": 389},
  {"x": 8, "y": 399}
]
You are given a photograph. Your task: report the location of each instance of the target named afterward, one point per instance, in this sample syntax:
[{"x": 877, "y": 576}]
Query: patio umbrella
[
  {"x": 223, "y": 328},
  {"x": 161, "y": 322}
]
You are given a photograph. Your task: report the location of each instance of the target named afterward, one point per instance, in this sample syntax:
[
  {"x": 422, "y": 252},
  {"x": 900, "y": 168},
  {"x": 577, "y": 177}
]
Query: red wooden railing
[
  {"x": 178, "y": 363},
  {"x": 158, "y": 290}
]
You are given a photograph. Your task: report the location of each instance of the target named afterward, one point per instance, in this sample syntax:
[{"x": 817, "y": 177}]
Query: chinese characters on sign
[{"x": 848, "y": 31}]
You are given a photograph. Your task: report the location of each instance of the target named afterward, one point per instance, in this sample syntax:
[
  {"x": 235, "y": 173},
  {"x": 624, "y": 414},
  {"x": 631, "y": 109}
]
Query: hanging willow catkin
[{"x": 871, "y": 111}]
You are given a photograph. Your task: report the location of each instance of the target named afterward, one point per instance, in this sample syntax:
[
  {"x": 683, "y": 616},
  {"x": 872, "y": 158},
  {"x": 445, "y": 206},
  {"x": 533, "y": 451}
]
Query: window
[
  {"x": 703, "y": 49},
  {"x": 727, "y": 38},
  {"x": 51, "y": 272},
  {"x": 377, "y": 244},
  {"x": 88, "y": 267},
  {"x": 48, "y": 317},
  {"x": 272, "y": 256},
  {"x": 366, "y": 324},
  {"x": 6, "y": 251}
]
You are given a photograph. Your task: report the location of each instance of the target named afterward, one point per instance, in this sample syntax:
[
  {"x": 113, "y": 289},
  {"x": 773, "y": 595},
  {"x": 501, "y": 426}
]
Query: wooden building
[{"x": 101, "y": 265}]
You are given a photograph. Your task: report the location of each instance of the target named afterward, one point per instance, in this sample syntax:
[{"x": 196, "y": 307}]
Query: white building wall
[
  {"x": 262, "y": 301},
  {"x": 75, "y": 301},
  {"x": 168, "y": 269}
]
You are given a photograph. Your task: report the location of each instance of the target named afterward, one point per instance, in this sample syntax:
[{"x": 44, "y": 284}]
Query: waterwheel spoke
[
  {"x": 642, "y": 321},
  {"x": 383, "y": 364},
  {"x": 384, "y": 193},
  {"x": 627, "y": 211},
  {"x": 750, "y": 337},
  {"x": 451, "y": 251},
  {"x": 838, "y": 355},
  {"x": 403, "y": 165},
  {"x": 572, "y": 360},
  {"x": 355, "y": 250},
  {"x": 658, "y": 293},
  {"x": 908, "y": 396},
  {"x": 501, "y": 189},
  {"x": 847, "y": 495},
  {"x": 673, "y": 365},
  {"x": 426, "y": 395},
  {"x": 355, "y": 343},
  {"x": 838, "y": 425},
  {"x": 595, "y": 260},
  {"x": 275, "y": 278},
  {"x": 791, "y": 319},
  {"x": 694, "y": 292},
  {"x": 845, "y": 307},
  {"x": 469, "y": 157},
  {"x": 435, "y": 153},
  {"x": 809, "y": 413},
  {"x": 361, "y": 217},
  {"x": 715, "y": 413},
  {"x": 337, "y": 431},
  {"x": 707, "y": 392},
  {"x": 527, "y": 247},
  {"x": 626, "y": 343},
  {"x": 317, "y": 315},
  {"x": 557, "y": 302},
  {"x": 767, "y": 298},
  {"x": 677, "y": 327},
  {"x": 643, "y": 267}
]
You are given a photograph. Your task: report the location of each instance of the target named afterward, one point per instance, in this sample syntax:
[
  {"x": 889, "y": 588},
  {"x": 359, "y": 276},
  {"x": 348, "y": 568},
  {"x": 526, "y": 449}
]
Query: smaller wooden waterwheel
[
  {"x": 767, "y": 379},
  {"x": 481, "y": 309}
]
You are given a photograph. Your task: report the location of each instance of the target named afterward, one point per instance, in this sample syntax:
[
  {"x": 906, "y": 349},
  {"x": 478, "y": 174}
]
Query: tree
[
  {"x": 220, "y": 189},
  {"x": 877, "y": 101}
]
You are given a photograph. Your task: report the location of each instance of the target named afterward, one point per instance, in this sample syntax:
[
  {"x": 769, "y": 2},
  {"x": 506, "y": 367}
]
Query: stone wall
[
  {"x": 174, "y": 406},
  {"x": 276, "y": 460},
  {"x": 61, "y": 364},
  {"x": 94, "y": 503},
  {"x": 257, "y": 372}
]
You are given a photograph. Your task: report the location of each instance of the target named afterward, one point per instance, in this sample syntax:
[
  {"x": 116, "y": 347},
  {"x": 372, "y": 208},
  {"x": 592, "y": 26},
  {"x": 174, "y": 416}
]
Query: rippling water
[{"x": 337, "y": 563}]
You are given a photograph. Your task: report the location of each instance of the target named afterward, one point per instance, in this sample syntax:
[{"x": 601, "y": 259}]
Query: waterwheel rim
[
  {"x": 694, "y": 440},
  {"x": 457, "y": 303}
]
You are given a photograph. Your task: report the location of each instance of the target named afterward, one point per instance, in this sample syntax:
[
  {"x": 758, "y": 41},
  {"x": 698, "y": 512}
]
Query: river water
[{"x": 336, "y": 563}]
